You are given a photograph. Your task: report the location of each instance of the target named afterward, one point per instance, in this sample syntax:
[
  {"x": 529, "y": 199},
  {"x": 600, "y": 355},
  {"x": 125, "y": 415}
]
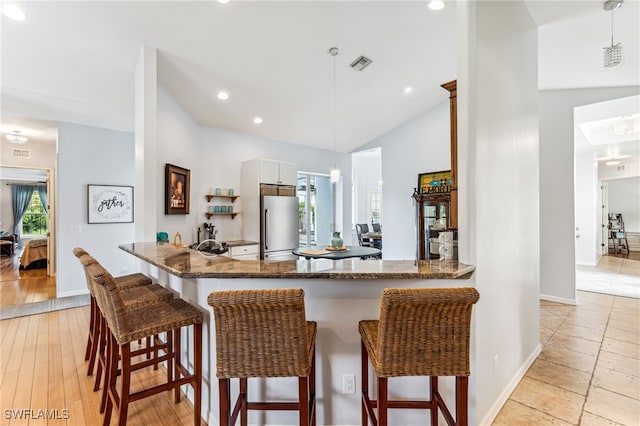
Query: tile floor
[{"x": 589, "y": 370}]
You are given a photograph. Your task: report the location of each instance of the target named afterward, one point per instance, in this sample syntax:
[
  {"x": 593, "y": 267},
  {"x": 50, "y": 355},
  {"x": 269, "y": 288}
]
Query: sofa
[{"x": 8, "y": 244}]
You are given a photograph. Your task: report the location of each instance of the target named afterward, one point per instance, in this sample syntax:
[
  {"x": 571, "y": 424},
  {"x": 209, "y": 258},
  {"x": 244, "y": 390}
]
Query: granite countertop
[{"x": 186, "y": 263}]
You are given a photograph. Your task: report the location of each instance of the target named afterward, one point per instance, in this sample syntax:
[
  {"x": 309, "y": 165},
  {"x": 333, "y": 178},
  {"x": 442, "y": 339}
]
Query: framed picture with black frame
[
  {"x": 109, "y": 204},
  {"x": 177, "y": 187}
]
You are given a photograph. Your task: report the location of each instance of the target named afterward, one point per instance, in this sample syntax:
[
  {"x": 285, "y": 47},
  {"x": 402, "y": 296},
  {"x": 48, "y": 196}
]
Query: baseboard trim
[
  {"x": 504, "y": 396},
  {"x": 562, "y": 300},
  {"x": 73, "y": 293}
]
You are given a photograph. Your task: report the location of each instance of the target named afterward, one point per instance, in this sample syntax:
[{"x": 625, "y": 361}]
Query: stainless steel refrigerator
[{"x": 278, "y": 227}]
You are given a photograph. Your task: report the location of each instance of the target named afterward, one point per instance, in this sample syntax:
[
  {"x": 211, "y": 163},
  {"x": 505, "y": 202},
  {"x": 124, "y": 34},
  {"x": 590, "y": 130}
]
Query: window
[
  {"x": 34, "y": 221},
  {"x": 375, "y": 207}
]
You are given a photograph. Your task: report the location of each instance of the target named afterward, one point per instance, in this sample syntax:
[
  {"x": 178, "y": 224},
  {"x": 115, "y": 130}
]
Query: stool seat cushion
[
  {"x": 139, "y": 296},
  {"x": 126, "y": 282},
  {"x": 158, "y": 318}
]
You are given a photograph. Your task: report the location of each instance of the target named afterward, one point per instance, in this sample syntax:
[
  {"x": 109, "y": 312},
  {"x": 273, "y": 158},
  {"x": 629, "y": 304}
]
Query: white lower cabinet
[{"x": 249, "y": 252}]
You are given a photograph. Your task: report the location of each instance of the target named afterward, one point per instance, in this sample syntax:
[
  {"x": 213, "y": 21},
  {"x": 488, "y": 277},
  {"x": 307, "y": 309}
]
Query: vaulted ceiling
[{"x": 75, "y": 62}]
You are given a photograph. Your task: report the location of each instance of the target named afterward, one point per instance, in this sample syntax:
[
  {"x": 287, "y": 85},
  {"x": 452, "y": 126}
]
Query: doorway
[
  {"x": 315, "y": 207},
  {"x": 27, "y": 273}
]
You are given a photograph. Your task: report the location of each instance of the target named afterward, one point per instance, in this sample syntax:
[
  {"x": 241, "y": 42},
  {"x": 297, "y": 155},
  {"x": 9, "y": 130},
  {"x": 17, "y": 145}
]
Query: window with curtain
[{"x": 34, "y": 221}]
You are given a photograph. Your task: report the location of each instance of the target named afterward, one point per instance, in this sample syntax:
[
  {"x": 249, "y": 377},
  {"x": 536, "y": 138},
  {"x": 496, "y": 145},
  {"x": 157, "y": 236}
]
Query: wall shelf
[
  {"x": 228, "y": 197},
  {"x": 232, "y": 214}
]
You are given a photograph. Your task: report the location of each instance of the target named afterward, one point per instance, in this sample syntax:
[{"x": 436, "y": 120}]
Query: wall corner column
[{"x": 146, "y": 177}]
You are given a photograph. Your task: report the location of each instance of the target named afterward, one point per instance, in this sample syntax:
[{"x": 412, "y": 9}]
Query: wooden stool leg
[
  {"x": 111, "y": 374},
  {"x": 177, "y": 342},
  {"x": 95, "y": 341},
  {"x": 462, "y": 400},
  {"x": 125, "y": 384},
  {"x": 171, "y": 368},
  {"x": 382, "y": 401},
  {"x": 303, "y": 400},
  {"x": 243, "y": 401},
  {"x": 102, "y": 354},
  {"x": 364, "y": 373},
  {"x": 312, "y": 387},
  {"x": 433, "y": 389},
  {"x": 197, "y": 371},
  {"x": 92, "y": 325},
  {"x": 224, "y": 390}
]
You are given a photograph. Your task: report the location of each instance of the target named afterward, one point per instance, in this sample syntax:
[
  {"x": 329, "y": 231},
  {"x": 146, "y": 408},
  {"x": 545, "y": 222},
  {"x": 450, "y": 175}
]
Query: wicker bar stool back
[
  {"x": 128, "y": 324},
  {"x": 421, "y": 332},
  {"x": 263, "y": 333}
]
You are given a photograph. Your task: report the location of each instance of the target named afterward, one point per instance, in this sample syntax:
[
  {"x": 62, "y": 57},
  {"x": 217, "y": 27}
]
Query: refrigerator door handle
[{"x": 266, "y": 235}]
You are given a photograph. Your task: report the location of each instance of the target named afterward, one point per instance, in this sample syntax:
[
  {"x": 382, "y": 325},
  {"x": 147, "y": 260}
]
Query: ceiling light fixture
[
  {"x": 14, "y": 12},
  {"x": 15, "y": 138},
  {"x": 612, "y": 55},
  {"x": 257, "y": 120},
  {"x": 224, "y": 1},
  {"x": 436, "y": 5},
  {"x": 334, "y": 174},
  {"x": 223, "y": 96},
  {"x": 612, "y": 162},
  {"x": 408, "y": 90}
]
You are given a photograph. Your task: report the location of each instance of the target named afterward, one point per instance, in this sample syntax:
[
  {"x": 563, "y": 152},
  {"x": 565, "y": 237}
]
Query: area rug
[{"x": 608, "y": 283}]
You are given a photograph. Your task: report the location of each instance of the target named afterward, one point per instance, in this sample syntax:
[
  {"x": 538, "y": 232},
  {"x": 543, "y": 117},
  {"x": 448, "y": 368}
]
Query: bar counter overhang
[{"x": 338, "y": 294}]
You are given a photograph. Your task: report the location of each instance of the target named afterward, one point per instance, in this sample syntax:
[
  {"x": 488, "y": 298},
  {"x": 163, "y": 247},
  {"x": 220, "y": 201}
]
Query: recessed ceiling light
[
  {"x": 16, "y": 137},
  {"x": 436, "y": 5},
  {"x": 14, "y": 12},
  {"x": 612, "y": 163},
  {"x": 408, "y": 90},
  {"x": 223, "y": 96},
  {"x": 224, "y": 1},
  {"x": 257, "y": 120}
]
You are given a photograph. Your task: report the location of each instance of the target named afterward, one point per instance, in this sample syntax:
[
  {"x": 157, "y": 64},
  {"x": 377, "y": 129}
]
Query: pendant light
[
  {"x": 334, "y": 174},
  {"x": 612, "y": 55}
]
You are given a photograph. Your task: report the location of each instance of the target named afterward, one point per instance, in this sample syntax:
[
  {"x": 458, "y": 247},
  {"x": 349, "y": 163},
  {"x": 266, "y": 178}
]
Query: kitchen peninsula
[{"x": 338, "y": 294}]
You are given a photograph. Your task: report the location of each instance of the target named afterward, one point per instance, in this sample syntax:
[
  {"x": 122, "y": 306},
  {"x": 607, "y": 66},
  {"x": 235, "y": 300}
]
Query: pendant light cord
[
  {"x": 334, "y": 53},
  {"x": 611, "y": 28}
]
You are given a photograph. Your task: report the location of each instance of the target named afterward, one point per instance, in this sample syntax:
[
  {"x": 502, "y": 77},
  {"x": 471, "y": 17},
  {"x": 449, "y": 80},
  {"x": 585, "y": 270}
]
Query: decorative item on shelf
[
  {"x": 218, "y": 191},
  {"x": 230, "y": 192},
  {"x": 216, "y": 209},
  {"x": 230, "y": 209},
  {"x": 445, "y": 241},
  {"x": 223, "y": 209}
]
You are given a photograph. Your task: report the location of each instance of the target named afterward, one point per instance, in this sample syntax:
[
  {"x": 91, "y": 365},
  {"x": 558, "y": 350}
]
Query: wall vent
[
  {"x": 361, "y": 63},
  {"x": 21, "y": 153},
  {"x": 621, "y": 168}
]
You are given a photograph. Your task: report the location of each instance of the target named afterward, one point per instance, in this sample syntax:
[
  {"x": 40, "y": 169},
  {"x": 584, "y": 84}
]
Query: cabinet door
[
  {"x": 288, "y": 173},
  {"x": 249, "y": 252},
  {"x": 269, "y": 171}
]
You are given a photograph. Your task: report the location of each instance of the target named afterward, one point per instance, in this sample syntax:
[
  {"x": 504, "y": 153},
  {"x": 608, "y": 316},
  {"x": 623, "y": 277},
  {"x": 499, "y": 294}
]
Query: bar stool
[
  {"x": 421, "y": 332},
  {"x": 264, "y": 333},
  {"x": 129, "y": 324},
  {"x": 133, "y": 296},
  {"x": 124, "y": 283}
]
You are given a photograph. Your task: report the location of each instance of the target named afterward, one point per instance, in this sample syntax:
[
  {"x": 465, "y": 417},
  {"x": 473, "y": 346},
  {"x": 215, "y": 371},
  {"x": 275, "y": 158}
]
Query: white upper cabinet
[{"x": 278, "y": 172}]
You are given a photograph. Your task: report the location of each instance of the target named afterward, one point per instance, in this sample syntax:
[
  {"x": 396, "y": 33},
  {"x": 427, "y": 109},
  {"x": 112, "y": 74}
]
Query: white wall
[
  {"x": 587, "y": 211},
  {"x": 89, "y": 155},
  {"x": 624, "y": 197},
  {"x": 499, "y": 192},
  {"x": 420, "y": 145},
  {"x": 557, "y": 208},
  {"x": 214, "y": 157}
]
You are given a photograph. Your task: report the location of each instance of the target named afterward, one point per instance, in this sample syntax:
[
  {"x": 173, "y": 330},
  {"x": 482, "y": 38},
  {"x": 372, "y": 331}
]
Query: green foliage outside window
[{"x": 34, "y": 221}]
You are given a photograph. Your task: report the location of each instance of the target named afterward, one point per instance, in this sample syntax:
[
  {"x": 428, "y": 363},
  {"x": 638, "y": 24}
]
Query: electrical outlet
[
  {"x": 496, "y": 365},
  {"x": 348, "y": 383}
]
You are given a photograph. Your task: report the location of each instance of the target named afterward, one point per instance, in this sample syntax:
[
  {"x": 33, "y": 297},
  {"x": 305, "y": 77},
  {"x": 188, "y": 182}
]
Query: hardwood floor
[
  {"x": 19, "y": 287},
  {"x": 42, "y": 367}
]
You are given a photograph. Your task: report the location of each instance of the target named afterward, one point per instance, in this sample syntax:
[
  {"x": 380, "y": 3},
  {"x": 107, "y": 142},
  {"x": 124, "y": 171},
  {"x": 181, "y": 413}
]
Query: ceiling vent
[
  {"x": 361, "y": 63},
  {"x": 21, "y": 153},
  {"x": 621, "y": 168}
]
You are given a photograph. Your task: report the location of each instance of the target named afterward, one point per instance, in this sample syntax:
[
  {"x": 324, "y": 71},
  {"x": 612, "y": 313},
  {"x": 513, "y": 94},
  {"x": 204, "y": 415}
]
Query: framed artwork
[
  {"x": 110, "y": 204},
  {"x": 434, "y": 182},
  {"x": 176, "y": 192}
]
